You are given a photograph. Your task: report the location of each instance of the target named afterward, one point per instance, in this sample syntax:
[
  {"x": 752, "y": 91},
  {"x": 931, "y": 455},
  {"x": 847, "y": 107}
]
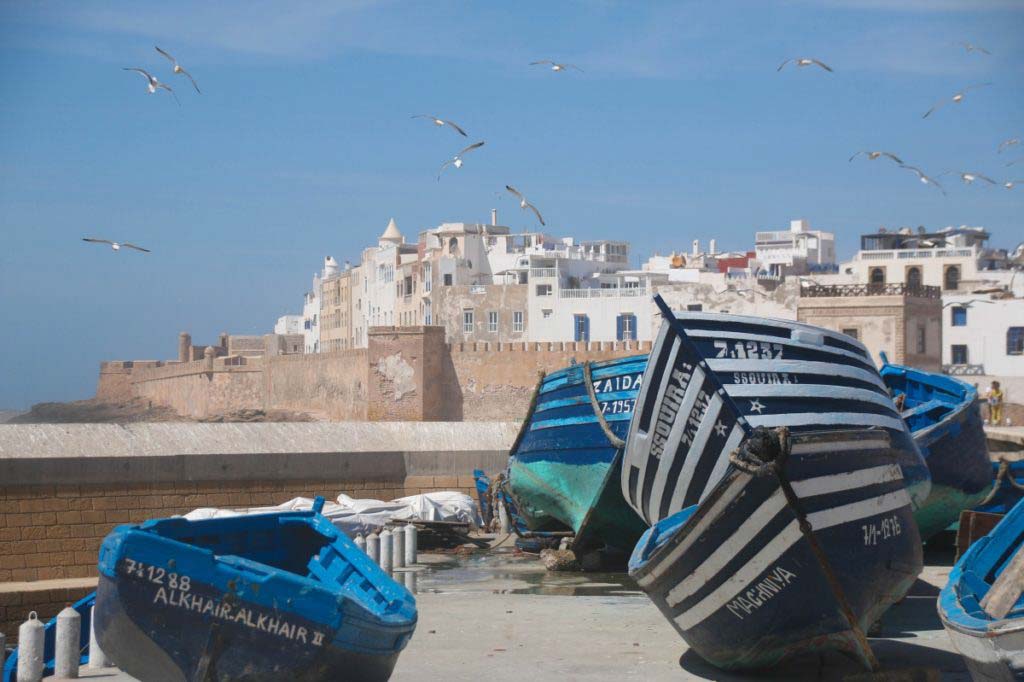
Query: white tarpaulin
[{"x": 353, "y": 516}]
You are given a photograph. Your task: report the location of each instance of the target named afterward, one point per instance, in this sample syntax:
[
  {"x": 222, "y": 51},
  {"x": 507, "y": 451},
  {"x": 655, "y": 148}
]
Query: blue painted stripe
[
  {"x": 584, "y": 400},
  {"x": 553, "y": 423}
]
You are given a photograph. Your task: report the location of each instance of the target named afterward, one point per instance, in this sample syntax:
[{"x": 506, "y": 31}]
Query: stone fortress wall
[{"x": 405, "y": 374}]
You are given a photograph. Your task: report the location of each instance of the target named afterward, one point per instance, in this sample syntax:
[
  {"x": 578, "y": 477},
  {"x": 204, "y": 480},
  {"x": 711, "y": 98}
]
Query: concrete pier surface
[{"x": 495, "y": 616}]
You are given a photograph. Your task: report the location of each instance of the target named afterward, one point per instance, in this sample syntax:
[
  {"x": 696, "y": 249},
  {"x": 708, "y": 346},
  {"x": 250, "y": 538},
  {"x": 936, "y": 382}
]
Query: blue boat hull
[
  {"x": 564, "y": 470},
  {"x": 992, "y": 648},
  {"x": 740, "y": 582},
  {"x": 269, "y": 596},
  {"x": 945, "y": 421}
]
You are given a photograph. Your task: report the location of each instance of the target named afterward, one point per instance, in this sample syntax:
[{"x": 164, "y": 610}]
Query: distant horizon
[{"x": 302, "y": 144}]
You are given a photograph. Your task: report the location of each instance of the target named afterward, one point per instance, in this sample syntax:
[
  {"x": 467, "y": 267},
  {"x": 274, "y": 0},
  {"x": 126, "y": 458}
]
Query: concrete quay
[{"x": 497, "y": 616}]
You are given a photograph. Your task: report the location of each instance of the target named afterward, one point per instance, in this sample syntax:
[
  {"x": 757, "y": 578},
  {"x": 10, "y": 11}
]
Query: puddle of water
[{"x": 502, "y": 572}]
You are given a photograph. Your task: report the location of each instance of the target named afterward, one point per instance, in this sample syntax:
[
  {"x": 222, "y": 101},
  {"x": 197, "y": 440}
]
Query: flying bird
[
  {"x": 457, "y": 159},
  {"x": 443, "y": 122},
  {"x": 524, "y": 204},
  {"x": 956, "y": 99},
  {"x": 924, "y": 178},
  {"x": 1006, "y": 144},
  {"x": 152, "y": 84},
  {"x": 116, "y": 246},
  {"x": 969, "y": 178},
  {"x": 555, "y": 66},
  {"x": 178, "y": 69},
  {"x": 1014, "y": 162},
  {"x": 1010, "y": 184},
  {"x": 805, "y": 61},
  {"x": 874, "y": 155},
  {"x": 973, "y": 48}
]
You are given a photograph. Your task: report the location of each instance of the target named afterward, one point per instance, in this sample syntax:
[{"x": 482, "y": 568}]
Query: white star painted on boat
[
  {"x": 720, "y": 428},
  {"x": 756, "y": 406}
]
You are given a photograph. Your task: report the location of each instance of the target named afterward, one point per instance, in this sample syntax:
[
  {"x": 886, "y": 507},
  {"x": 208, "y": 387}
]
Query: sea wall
[
  {"x": 63, "y": 487},
  {"x": 331, "y": 385}
]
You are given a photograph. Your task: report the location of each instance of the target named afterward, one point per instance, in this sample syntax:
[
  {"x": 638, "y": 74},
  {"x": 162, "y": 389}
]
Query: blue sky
[{"x": 301, "y": 144}]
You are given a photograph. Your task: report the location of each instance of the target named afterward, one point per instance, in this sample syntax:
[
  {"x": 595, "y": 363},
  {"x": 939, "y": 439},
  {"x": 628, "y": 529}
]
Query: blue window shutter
[
  {"x": 618, "y": 328},
  {"x": 586, "y": 327}
]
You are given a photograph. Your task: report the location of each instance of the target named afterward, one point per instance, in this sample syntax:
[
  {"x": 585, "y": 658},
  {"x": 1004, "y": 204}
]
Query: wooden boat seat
[
  {"x": 1006, "y": 589},
  {"x": 924, "y": 408}
]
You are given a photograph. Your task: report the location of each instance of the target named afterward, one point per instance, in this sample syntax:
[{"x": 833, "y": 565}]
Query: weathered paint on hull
[{"x": 563, "y": 472}]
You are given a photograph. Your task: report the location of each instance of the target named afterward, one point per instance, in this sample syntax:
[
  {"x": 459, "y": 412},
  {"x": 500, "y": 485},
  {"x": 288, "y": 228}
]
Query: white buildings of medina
[
  {"x": 796, "y": 251},
  {"x": 289, "y": 324}
]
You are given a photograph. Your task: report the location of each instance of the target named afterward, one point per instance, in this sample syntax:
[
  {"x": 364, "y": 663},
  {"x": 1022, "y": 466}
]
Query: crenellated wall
[{"x": 405, "y": 374}]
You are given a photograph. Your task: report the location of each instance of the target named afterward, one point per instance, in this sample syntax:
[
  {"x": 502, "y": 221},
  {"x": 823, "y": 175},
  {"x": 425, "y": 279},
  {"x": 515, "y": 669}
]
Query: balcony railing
[
  {"x": 913, "y": 254},
  {"x": 623, "y": 292},
  {"x": 963, "y": 370},
  {"x": 844, "y": 290},
  {"x": 543, "y": 272}
]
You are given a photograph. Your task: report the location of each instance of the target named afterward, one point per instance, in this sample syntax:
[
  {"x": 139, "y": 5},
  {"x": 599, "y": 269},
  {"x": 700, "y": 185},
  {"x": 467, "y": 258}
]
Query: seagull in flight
[
  {"x": 457, "y": 159},
  {"x": 1010, "y": 184},
  {"x": 874, "y": 155},
  {"x": 956, "y": 99},
  {"x": 969, "y": 178},
  {"x": 116, "y": 246},
  {"x": 178, "y": 69},
  {"x": 924, "y": 178},
  {"x": 443, "y": 122},
  {"x": 1006, "y": 144},
  {"x": 1014, "y": 162},
  {"x": 524, "y": 204},
  {"x": 152, "y": 84},
  {"x": 973, "y": 48},
  {"x": 555, "y": 66},
  {"x": 805, "y": 61}
]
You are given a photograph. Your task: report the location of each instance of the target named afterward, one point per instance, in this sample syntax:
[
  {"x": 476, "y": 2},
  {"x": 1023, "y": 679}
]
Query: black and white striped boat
[
  {"x": 768, "y": 541},
  {"x": 778, "y": 373}
]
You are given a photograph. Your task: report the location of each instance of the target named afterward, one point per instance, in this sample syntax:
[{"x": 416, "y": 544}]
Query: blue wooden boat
[
  {"x": 801, "y": 542},
  {"x": 84, "y": 608},
  {"x": 269, "y": 596},
  {"x": 945, "y": 421},
  {"x": 993, "y": 647},
  {"x": 1007, "y": 482},
  {"x": 564, "y": 468},
  {"x": 776, "y": 373}
]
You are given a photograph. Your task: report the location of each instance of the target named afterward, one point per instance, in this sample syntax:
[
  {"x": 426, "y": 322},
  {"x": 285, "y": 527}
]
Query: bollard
[
  {"x": 31, "y": 639},
  {"x": 506, "y": 527},
  {"x": 69, "y": 643},
  {"x": 410, "y": 581},
  {"x": 361, "y": 542},
  {"x": 97, "y": 659},
  {"x": 373, "y": 547},
  {"x": 411, "y": 549},
  {"x": 398, "y": 543},
  {"x": 386, "y": 551}
]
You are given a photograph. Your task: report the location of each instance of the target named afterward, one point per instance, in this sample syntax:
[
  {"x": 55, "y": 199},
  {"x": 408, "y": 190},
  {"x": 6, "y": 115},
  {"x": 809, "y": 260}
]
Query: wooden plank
[
  {"x": 1007, "y": 588},
  {"x": 973, "y": 526}
]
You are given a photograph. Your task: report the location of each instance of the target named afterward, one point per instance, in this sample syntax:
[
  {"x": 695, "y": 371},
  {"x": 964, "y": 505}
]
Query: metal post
[
  {"x": 373, "y": 547},
  {"x": 386, "y": 549},
  {"x": 411, "y": 545},
  {"x": 97, "y": 659},
  {"x": 31, "y": 639},
  {"x": 3, "y": 651},
  {"x": 69, "y": 643},
  {"x": 398, "y": 542},
  {"x": 361, "y": 542}
]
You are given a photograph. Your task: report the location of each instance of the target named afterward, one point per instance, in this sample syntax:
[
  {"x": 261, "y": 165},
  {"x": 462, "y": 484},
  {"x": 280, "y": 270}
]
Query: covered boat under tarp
[
  {"x": 945, "y": 421},
  {"x": 563, "y": 471},
  {"x": 271, "y": 596},
  {"x": 981, "y": 605}
]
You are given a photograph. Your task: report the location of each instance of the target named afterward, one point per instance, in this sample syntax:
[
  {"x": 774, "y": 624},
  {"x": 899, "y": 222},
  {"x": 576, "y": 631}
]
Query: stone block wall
[
  {"x": 329, "y": 385},
  {"x": 192, "y": 389}
]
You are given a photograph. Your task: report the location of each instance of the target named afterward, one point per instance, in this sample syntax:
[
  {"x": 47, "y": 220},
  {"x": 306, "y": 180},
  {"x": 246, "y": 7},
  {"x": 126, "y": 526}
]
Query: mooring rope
[
  {"x": 598, "y": 412},
  {"x": 765, "y": 453},
  {"x": 1002, "y": 473}
]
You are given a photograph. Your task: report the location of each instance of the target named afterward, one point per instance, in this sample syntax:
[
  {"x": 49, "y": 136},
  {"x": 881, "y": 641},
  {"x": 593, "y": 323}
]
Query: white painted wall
[
  {"x": 985, "y": 333},
  {"x": 288, "y": 324}
]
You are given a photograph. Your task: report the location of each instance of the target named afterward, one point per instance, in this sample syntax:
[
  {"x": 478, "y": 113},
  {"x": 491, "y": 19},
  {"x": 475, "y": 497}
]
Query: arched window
[
  {"x": 877, "y": 276},
  {"x": 453, "y": 246},
  {"x": 914, "y": 278},
  {"x": 951, "y": 282}
]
